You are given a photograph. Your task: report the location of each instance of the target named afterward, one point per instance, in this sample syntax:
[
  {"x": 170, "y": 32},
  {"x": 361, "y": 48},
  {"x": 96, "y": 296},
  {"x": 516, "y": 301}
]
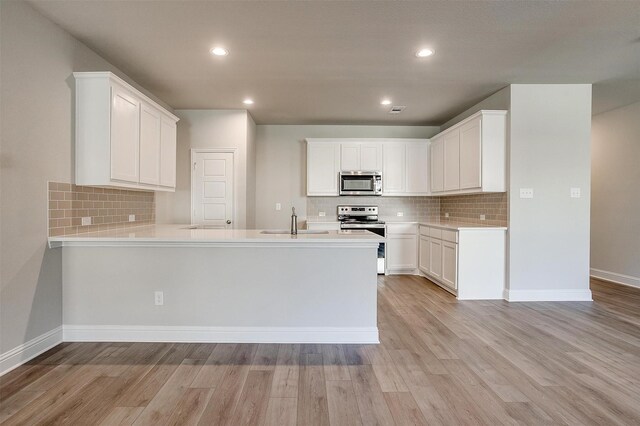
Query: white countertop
[
  {"x": 183, "y": 235},
  {"x": 459, "y": 225}
]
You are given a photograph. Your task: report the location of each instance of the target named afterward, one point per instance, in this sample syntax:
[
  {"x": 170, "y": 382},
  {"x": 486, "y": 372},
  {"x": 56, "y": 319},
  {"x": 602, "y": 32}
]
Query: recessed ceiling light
[
  {"x": 248, "y": 102},
  {"x": 385, "y": 102},
  {"x": 423, "y": 53},
  {"x": 219, "y": 51}
]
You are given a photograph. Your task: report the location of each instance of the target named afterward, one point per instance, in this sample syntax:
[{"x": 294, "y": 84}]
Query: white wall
[
  {"x": 549, "y": 152},
  {"x": 281, "y": 163},
  {"x": 36, "y": 110},
  {"x": 208, "y": 129},
  {"x": 615, "y": 197}
]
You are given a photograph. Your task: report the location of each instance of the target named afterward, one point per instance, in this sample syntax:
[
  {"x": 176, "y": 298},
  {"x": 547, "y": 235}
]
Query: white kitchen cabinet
[
  {"x": 360, "y": 156},
  {"x": 470, "y": 157},
  {"x": 468, "y": 262},
  {"x": 401, "y": 249},
  {"x": 150, "y": 129},
  {"x": 449, "y": 264},
  {"x": 405, "y": 168},
  {"x": 437, "y": 165},
  {"x": 452, "y": 160},
  {"x": 394, "y": 159},
  {"x": 168, "y": 139},
  {"x": 423, "y": 254},
  {"x": 323, "y": 165},
  {"x": 123, "y": 138},
  {"x": 125, "y": 131}
]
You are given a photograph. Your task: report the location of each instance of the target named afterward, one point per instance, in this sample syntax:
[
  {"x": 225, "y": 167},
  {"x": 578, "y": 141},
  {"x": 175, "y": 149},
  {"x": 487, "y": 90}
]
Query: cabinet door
[
  {"x": 450, "y": 264},
  {"x": 371, "y": 157},
  {"x": 452, "y": 160},
  {"x": 394, "y": 168},
  {"x": 168, "y": 139},
  {"x": 437, "y": 165},
  {"x": 323, "y": 160},
  {"x": 150, "y": 119},
  {"x": 471, "y": 155},
  {"x": 401, "y": 252},
  {"x": 125, "y": 121},
  {"x": 435, "y": 257},
  {"x": 350, "y": 156},
  {"x": 424, "y": 254},
  {"x": 417, "y": 172}
]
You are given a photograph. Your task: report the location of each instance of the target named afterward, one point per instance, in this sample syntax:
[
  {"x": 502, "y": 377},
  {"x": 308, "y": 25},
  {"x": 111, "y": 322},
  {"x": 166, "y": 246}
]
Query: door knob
[{"x": 228, "y": 222}]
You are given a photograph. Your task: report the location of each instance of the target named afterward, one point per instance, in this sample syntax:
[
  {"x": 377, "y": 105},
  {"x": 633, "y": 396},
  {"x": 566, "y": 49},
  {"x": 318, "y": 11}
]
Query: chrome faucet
[{"x": 294, "y": 222}]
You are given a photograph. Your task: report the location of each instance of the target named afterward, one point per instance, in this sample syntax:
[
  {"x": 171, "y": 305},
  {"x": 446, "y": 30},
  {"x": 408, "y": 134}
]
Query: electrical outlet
[
  {"x": 400, "y": 214},
  {"x": 159, "y": 298},
  {"x": 575, "y": 193},
  {"x": 322, "y": 214},
  {"x": 278, "y": 206},
  {"x": 132, "y": 218},
  {"x": 446, "y": 215},
  {"x": 526, "y": 192},
  {"x": 482, "y": 217},
  {"x": 86, "y": 221}
]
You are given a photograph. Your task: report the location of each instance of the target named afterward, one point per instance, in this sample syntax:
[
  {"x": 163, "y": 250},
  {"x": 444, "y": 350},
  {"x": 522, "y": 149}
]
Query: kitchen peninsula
[{"x": 174, "y": 283}]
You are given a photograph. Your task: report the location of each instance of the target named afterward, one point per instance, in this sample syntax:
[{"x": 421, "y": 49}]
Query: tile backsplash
[
  {"x": 411, "y": 207},
  {"x": 468, "y": 208},
  {"x": 107, "y": 208},
  {"x": 461, "y": 208}
]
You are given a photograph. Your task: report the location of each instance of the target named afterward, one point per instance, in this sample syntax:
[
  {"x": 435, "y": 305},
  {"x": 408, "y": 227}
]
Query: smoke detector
[{"x": 397, "y": 109}]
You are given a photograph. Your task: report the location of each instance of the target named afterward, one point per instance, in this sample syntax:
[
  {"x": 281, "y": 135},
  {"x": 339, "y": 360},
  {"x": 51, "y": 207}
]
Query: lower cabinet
[
  {"x": 468, "y": 262},
  {"x": 401, "y": 250}
]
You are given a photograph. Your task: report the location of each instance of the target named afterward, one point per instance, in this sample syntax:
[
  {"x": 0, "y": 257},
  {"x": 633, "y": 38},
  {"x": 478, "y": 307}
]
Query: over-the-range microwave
[{"x": 360, "y": 183}]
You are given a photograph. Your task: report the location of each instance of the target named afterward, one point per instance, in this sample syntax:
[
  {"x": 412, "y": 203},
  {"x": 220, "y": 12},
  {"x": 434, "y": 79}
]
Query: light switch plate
[
  {"x": 278, "y": 206},
  {"x": 132, "y": 218},
  {"x": 482, "y": 217},
  {"x": 446, "y": 215},
  {"x": 526, "y": 192},
  {"x": 400, "y": 214},
  {"x": 322, "y": 214},
  {"x": 86, "y": 221},
  {"x": 575, "y": 193},
  {"x": 159, "y": 298}
]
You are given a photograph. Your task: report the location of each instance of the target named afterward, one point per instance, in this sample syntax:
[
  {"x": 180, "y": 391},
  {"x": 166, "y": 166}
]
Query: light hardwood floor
[{"x": 440, "y": 362}]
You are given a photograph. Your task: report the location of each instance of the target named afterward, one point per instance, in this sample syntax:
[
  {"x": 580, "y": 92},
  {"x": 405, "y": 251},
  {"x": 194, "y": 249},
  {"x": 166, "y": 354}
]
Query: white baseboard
[
  {"x": 551, "y": 295},
  {"x": 29, "y": 350},
  {"x": 115, "y": 333},
  {"x": 616, "y": 278}
]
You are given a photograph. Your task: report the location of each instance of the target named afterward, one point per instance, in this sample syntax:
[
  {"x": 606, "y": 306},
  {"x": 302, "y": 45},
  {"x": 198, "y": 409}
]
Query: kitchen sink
[{"x": 301, "y": 231}]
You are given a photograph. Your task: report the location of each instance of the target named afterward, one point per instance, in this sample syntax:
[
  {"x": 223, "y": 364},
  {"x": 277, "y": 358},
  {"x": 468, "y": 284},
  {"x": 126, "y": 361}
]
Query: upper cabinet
[
  {"x": 404, "y": 164},
  {"x": 405, "y": 168},
  {"x": 123, "y": 138},
  {"x": 323, "y": 166},
  {"x": 360, "y": 156},
  {"x": 470, "y": 157}
]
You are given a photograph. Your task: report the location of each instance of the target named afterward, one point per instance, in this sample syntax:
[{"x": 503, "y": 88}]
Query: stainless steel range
[{"x": 364, "y": 217}]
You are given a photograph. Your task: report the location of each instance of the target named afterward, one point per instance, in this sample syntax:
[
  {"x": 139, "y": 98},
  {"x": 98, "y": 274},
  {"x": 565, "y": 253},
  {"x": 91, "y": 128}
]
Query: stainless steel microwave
[{"x": 360, "y": 183}]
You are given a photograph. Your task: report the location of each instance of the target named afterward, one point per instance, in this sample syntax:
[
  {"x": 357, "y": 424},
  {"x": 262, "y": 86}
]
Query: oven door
[{"x": 377, "y": 228}]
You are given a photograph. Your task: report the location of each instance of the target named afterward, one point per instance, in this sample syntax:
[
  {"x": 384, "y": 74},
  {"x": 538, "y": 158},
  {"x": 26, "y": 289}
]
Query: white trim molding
[
  {"x": 550, "y": 295},
  {"x": 119, "y": 333},
  {"x": 614, "y": 277},
  {"x": 29, "y": 350}
]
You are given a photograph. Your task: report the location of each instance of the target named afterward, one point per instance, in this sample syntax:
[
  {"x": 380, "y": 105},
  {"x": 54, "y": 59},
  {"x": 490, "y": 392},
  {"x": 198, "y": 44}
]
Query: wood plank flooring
[{"x": 440, "y": 361}]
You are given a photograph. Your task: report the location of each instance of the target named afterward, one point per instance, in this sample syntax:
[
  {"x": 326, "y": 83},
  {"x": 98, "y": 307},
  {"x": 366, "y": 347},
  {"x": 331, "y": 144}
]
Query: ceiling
[{"x": 332, "y": 62}]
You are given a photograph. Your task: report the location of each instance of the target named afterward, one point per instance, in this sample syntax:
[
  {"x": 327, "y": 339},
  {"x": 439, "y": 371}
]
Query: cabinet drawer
[
  {"x": 451, "y": 236},
  {"x": 435, "y": 233},
  {"x": 424, "y": 230},
  {"x": 402, "y": 228}
]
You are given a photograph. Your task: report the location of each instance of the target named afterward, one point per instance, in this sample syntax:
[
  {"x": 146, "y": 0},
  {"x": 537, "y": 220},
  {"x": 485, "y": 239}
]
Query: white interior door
[{"x": 212, "y": 189}]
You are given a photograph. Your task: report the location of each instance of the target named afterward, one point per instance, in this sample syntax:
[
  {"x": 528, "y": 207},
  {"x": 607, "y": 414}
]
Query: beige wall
[
  {"x": 209, "y": 129},
  {"x": 615, "y": 196},
  {"x": 37, "y": 118},
  {"x": 550, "y": 151},
  {"x": 281, "y": 163}
]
